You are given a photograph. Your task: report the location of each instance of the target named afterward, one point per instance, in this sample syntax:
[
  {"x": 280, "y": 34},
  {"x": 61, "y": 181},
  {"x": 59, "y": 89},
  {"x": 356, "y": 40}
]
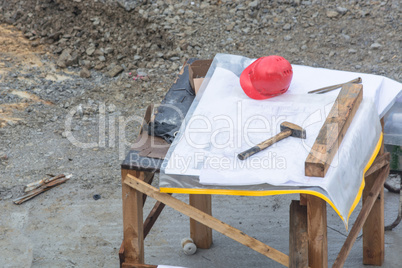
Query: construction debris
[{"x": 35, "y": 188}]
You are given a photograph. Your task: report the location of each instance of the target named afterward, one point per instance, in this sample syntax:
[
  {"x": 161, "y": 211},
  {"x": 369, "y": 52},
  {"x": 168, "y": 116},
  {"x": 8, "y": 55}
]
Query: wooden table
[{"x": 307, "y": 216}]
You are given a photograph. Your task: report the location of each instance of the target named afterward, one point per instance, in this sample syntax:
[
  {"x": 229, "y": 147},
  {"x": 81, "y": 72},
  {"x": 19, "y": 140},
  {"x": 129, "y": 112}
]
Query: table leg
[
  {"x": 133, "y": 236},
  {"x": 298, "y": 238},
  {"x": 201, "y": 234},
  {"x": 373, "y": 228},
  {"x": 317, "y": 232}
]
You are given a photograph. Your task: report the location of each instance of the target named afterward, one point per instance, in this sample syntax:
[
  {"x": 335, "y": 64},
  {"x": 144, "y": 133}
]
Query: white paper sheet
[{"x": 215, "y": 133}]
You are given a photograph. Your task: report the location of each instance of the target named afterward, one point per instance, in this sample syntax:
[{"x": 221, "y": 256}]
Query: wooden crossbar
[
  {"x": 361, "y": 218},
  {"x": 208, "y": 220}
]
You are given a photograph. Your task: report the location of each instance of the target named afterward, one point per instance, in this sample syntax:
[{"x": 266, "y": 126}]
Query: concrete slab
[{"x": 66, "y": 227}]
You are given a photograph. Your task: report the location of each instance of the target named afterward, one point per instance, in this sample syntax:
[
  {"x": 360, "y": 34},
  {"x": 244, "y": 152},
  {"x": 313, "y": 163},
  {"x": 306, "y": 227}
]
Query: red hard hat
[{"x": 266, "y": 77}]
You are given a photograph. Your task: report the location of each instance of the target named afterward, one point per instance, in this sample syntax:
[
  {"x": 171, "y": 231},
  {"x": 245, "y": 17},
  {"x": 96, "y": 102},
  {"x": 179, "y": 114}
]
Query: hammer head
[{"x": 297, "y": 131}]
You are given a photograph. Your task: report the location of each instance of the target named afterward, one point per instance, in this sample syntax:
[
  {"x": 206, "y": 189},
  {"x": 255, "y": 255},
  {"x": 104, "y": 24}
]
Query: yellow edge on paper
[{"x": 280, "y": 192}]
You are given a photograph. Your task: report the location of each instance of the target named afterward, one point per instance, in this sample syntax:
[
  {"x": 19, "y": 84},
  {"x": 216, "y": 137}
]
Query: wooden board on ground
[{"x": 334, "y": 129}]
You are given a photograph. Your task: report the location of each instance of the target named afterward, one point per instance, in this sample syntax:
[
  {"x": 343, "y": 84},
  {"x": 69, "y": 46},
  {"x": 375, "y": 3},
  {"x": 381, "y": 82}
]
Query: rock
[
  {"x": 109, "y": 50},
  {"x": 375, "y": 46},
  {"x": 35, "y": 43},
  {"x": 111, "y": 108},
  {"x": 253, "y": 4},
  {"x": 90, "y": 51},
  {"x": 98, "y": 52},
  {"x": 287, "y": 38},
  {"x": 86, "y": 64},
  {"x": 342, "y": 10},
  {"x": 287, "y": 26},
  {"x": 99, "y": 66},
  {"x": 72, "y": 60},
  {"x": 128, "y": 4},
  {"x": 332, "y": 14},
  {"x": 120, "y": 56},
  {"x": 64, "y": 59},
  {"x": 230, "y": 26},
  {"x": 84, "y": 73},
  {"x": 102, "y": 58},
  {"x": 141, "y": 73},
  {"x": 352, "y": 51},
  {"x": 115, "y": 71},
  {"x": 3, "y": 156}
]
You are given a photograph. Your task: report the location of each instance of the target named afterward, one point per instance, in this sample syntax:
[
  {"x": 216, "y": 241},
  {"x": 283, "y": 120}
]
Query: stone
[
  {"x": 375, "y": 46},
  {"x": 230, "y": 26},
  {"x": 120, "y": 56},
  {"x": 64, "y": 59},
  {"x": 332, "y": 14},
  {"x": 287, "y": 38},
  {"x": 3, "y": 156},
  {"x": 254, "y": 4},
  {"x": 72, "y": 60},
  {"x": 99, "y": 66},
  {"x": 129, "y": 5},
  {"x": 342, "y": 10},
  {"x": 109, "y": 50},
  {"x": 90, "y": 51},
  {"x": 287, "y": 26},
  {"x": 84, "y": 73},
  {"x": 98, "y": 52},
  {"x": 111, "y": 108},
  {"x": 117, "y": 69}
]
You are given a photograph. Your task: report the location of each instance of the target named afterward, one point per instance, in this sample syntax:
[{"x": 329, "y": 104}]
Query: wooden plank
[
  {"x": 152, "y": 217},
  {"x": 121, "y": 254},
  {"x": 369, "y": 202},
  {"x": 303, "y": 199},
  {"x": 208, "y": 220},
  {"x": 317, "y": 232},
  {"x": 201, "y": 234},
  {"x": 378, "y": 163},
  {"x": 148, "y": 178},
  {"x": 298, "y": 237},
  {"x": 373, "y": 228},
  {"x": 334, "y": 129},
  {"x": 133, "y": 237}
]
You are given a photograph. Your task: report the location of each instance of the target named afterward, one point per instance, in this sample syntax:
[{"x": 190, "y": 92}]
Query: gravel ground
[{"x": 108, "y": 60}]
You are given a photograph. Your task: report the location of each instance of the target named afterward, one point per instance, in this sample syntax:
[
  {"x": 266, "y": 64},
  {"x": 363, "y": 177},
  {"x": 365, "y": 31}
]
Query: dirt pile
[{"x": 88, "y": 34}]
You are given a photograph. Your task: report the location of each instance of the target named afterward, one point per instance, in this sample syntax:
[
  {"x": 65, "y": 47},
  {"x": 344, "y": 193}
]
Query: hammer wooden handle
[{"x": 265, "y": 144}]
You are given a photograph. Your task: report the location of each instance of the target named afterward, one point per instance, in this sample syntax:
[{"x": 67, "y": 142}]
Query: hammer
[{"x": 287, "y": 129}]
